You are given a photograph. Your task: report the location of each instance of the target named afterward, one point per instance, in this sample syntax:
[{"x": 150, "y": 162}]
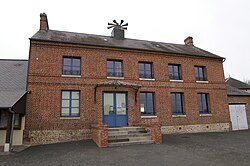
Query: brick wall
[{"x": 45, "y": 81}]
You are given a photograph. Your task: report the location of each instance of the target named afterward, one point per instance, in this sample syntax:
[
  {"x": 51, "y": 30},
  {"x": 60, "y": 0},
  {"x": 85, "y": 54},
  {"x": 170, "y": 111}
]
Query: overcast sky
[{"x": 218, "y": 26}]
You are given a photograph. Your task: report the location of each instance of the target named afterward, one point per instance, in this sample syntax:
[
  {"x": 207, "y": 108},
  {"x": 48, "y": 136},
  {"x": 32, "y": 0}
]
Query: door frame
[{"x": 114, "y": 102}]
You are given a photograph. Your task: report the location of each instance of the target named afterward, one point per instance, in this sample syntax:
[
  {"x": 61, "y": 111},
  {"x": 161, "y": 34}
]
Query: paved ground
[{"x": 227, "y": 149}]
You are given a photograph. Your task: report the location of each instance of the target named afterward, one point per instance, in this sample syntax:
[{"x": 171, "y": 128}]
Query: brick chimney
[
  {"x": 44, "y": 25},
  {"x": 189, "y": 41},
  {"x": 117, "y": 33}
]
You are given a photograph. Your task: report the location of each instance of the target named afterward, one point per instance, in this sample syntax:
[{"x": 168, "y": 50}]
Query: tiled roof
[
  {"x": 232, "y": 91},
  {"x": 13, "y": 78},
  {"x": 237, "y": 84},
  {"x": 107, "y": 41}
]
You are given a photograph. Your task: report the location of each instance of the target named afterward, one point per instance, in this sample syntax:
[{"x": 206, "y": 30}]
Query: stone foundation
[
  {"x": 216, "y": 127},
  {"x": 54, "y": 136}
]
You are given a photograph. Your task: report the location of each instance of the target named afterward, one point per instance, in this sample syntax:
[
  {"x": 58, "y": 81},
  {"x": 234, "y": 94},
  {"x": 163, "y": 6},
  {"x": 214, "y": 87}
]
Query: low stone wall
[
  {"x": 216, "y": 127},
  {"x": 100, "y": 135},
  {"x": 54, "y": 136}
]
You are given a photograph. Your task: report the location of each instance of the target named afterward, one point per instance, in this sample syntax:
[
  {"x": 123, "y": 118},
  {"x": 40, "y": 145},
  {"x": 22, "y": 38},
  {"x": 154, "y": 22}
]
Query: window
[
  {"x": 147, "y": 103},
  {"x": 70, "y": 103},
  {"x": 203, "y": 102},
  {"x": 177, "y": 103},
  {"x": 200, "y": 73},
  {"x": 71, "y": 66},
  {"x": 114, "y": 68},
  {"x": 174, "y": 72},
  {"x": 4, "y": 119},
  {"x": 145, "y": 70}
]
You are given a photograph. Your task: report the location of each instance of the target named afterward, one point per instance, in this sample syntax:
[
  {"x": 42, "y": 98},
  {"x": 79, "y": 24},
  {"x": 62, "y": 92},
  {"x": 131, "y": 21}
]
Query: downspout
[
  {"x": 8, "y": 146},
  {"x": 12, "y": 128}
]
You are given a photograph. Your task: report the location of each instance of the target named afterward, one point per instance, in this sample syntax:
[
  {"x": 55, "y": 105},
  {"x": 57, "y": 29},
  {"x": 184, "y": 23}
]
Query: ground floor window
[
  {"x": 70, "y": 103},
  {"x": 147, "y": 103},
  {"x": 177, "y": 103},
  {"x": 203, "y": 101},
  {"x": 4, "y": 120}
]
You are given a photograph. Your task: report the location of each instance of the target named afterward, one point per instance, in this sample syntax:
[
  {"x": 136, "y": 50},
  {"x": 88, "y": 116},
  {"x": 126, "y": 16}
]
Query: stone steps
[
  {"x": 128, "y": 136},
  {"x": 114, "y": 144}
]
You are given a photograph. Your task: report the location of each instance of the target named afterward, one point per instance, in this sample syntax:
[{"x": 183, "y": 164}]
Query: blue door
[{"x": 115, "y": 109}]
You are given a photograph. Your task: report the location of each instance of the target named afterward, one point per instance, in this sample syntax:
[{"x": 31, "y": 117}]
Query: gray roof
[
  {"x": 237, "y": 84},
  {"x": 232, "y": 91},
  {"x": 13, "y": 78},
  {"x": 107, "y": 41}
]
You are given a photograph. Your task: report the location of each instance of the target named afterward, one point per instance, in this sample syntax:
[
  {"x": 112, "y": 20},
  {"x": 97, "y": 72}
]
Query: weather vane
[{"x": 117, "y": 25}]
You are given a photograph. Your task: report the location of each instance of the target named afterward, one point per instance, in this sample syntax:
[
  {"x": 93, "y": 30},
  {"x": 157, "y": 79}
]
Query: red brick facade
[{"x": 45, "y": 81}]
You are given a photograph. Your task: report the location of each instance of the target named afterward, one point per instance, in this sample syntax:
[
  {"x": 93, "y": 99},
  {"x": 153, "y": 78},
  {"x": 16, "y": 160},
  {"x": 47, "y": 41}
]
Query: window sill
[
  {"x": 69, "y": 118},
  {"x": 176, "y": 80},
  {"x": 146, "y": 117},
  {"x": 118, "y": 78},
  {"x": 205, "y": 115},
  {"x": 147, "y": 79},
  {"x": 179, "y": 116},
  {"x": 202, "y": 82},
  {"x": 76, "y": 76}
]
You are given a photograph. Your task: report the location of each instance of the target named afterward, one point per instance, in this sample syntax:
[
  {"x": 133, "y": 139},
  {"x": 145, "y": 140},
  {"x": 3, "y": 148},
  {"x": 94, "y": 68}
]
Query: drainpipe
[{"x": 9, "y": 135}]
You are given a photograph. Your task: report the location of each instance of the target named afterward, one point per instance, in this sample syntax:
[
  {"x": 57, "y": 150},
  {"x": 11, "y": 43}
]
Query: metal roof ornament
[{"x": 115, "y": 24}]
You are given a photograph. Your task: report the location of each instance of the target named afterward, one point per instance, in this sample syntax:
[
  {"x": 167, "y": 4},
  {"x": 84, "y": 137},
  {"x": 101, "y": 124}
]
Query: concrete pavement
[{"x": 230, "y": 148}]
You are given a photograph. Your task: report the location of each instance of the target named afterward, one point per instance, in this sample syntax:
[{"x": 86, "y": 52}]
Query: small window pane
[
  {"x": 75, "y": 111},
  {"x": 65, "y": 95},
  {"x": 109, "y": 64},
  {"x": 76, "y": 69},
  {"x": 141, "y": 66},
  {"x": 75, "y": 103},
  {"x": 118, "y": 65},
  {"x": 65, "y": 112},
  {"x": 75, "y": 95},
  {"x": 76, "y": 62},
  {"x": 65, "y": 103},
  {"x": 66, "y": 61}
]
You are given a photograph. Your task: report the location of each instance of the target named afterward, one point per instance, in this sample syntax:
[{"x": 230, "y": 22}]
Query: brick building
[{"x": 82, "y": 84}]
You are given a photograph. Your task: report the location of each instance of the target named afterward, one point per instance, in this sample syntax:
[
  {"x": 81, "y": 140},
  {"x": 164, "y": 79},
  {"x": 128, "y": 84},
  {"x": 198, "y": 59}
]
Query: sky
[{"x": 218, "y": 26}]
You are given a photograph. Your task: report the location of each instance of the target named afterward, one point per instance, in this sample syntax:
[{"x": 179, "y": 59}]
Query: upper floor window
[
  {"x": 177, "y": 103},
  {"x": 174, "y": 72},
  {"x": 147, "y": 103},
  {"x": 200, "y": 73},
  {"x": 114, "y": 68},
  {"x": 146, "y": 70},
  {"x": 71, "y": 66},
  {"x": 70, "y": 103},
  {"x": 203, "y": 102}
]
